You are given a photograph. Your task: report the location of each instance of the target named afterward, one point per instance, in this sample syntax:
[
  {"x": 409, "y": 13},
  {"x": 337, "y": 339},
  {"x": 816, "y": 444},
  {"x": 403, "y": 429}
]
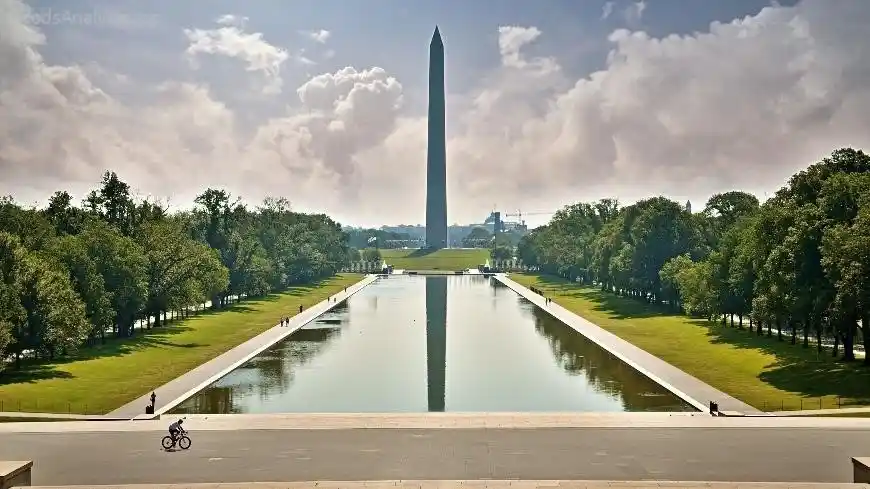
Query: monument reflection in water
[{"x": 436, "y": 343}]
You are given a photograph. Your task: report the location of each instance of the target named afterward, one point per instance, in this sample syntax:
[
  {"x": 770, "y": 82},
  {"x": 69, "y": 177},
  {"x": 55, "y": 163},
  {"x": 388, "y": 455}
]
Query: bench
[
  {"x": 15, "y": 473},
  {"x": 861, "y": 470}
]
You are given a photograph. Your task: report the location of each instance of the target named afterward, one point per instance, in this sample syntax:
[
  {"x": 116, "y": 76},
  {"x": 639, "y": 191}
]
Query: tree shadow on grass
[
  {"x": 623, "y": 308},
  {"x": 614, "y": 306},
  {"x": 32, "y": 373},
  {"x": 155, "y": 337},
  {"x": 797, "y": 369},
  {"x": 421, "y": 252},
  {"x": 297, "y": 290},
  {"x": 34, "y": 370},
  {"x": 177, "y": 345}
]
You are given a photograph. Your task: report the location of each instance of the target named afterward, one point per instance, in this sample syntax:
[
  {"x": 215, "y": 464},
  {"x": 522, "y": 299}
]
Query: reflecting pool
[{"x": 434, "y": 343}]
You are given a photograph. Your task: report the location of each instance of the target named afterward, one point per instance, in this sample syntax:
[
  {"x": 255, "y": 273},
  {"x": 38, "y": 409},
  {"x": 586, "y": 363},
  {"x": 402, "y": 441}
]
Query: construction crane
[{"x": 519, "y": 215}]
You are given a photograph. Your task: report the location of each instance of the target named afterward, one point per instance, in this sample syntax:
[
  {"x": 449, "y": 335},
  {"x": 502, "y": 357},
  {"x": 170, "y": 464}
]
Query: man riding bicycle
[{"x": 176, "y": 428}]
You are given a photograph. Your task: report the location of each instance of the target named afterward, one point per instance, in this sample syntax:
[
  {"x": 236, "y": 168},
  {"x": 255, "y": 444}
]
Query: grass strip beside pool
[
  {"x": 766, "y": 373},
  {"x": 99, "y": 379},
  {"x": 447, "y": 259}
]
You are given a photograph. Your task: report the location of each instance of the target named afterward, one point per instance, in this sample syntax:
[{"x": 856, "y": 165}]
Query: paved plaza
[{"x": 639, "y": 447}]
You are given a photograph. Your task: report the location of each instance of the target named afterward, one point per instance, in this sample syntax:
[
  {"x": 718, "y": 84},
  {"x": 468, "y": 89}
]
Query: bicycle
[{"x": 183, "y": 441}]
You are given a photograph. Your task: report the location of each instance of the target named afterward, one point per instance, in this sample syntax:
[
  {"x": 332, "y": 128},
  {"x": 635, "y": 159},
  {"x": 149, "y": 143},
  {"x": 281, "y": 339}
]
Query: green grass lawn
[
  {"x": 449, "y": 259},
  {"x": 100, "y": 379},
  {"x": 761, "y": 371}
]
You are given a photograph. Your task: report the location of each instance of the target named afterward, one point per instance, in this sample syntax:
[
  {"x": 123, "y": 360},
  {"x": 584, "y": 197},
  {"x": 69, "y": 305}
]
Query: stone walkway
[
  {"x": 690, "y": 389},
  {"x": 175, "y": 391},
  {"x": 639, "y": 454},
  {"x": 482, "y": 484},
  {"x": 825, "y": 412}
]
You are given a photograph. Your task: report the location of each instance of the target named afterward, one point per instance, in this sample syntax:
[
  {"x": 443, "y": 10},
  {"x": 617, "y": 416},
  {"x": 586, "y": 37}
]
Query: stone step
[{"x": 481, "y": 484}]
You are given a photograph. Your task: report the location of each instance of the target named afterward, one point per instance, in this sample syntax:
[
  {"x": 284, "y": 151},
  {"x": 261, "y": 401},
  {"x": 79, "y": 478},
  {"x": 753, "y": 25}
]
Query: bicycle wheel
[
  {"x": 167, "y": 442},
  {"x": 184, "y": 442}
]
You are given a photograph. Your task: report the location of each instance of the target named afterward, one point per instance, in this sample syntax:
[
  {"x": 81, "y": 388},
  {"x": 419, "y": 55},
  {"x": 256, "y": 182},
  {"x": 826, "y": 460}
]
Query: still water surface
[{"x": 417, "y": 344}]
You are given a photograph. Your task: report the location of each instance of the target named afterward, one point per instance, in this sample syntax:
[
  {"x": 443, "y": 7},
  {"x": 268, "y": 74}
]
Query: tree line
[
  {"x": 797, "y": 265},
  {"x": 70, "y": 275}
]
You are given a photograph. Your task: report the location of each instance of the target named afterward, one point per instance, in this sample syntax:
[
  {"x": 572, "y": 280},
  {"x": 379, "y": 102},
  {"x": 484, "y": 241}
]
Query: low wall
[
  {"x": 493, "y": 484},
  {"x": 861, "y": 470},
  {"x": 15, "y": 473}
]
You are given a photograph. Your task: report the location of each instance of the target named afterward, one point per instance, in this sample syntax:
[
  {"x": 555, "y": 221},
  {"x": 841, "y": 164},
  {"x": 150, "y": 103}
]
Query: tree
[
  {"x": 794, "y": 263},
  {"x": 112, "y": 203},
  {"x": 13, "y": 316},
  {"x": 725, "y": 209},
  {"x": 501, "y": 253},
  {"x": 846, "y": 258},
  {"x": 71, "y": 253},
  {"x": 697, "y": 289},
  {"x": 371, "y": 255},
  {"x": 69, "y": 274},
  {"x": 41, "y": 311},
  {"x": 61, "y": 213},
  {"x": 31, "y": 227},
  {"x": 56, "y": 320},
  {"x": 479, "y": 237},
  {"x": 122, "y": 264},
  {"x": 180, "y": 271}
]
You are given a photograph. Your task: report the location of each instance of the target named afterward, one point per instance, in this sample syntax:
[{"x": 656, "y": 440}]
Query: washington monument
[{"x": 436, "y": 155}]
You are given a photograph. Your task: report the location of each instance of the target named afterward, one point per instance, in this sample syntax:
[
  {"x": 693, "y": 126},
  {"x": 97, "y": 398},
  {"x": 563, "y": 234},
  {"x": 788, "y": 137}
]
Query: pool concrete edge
[
  {"x": 692, "y": 390},
  {"x": 447, "y": 421},
  {"x": 191, "y": 382}
]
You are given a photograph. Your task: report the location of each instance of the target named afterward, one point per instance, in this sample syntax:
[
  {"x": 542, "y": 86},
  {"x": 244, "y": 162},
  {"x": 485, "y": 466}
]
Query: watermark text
[{"x": 84, "y": 18}]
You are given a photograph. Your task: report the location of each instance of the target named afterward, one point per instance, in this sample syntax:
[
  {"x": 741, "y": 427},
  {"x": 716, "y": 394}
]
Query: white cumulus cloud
[
  {"x": 742, "y": 104},
  {"x": 320, "y": 35},
  {"x": 232, "y": 41},
  {"x": 634, "y": 13},
  {"x": 606, "y": 10}
]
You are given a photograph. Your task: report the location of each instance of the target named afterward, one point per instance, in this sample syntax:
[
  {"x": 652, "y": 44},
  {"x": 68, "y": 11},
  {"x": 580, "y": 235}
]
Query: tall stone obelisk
[{"x": 436, "y": 155}]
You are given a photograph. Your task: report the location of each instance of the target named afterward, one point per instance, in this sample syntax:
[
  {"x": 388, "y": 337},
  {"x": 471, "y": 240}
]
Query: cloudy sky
[{"x": 324, "y": 101}]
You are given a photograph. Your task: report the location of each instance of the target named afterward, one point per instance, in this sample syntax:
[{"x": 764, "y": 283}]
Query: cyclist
[{"x": 176, "y": 428}]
